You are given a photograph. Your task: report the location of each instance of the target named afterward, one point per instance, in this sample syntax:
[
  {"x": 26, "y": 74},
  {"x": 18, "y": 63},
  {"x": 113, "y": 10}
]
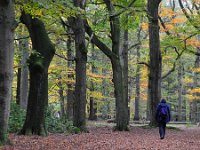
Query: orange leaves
[
  {"x": 193, "y": 42},
  {"x": 197, "y": 70},
  {"x": 166, "y": 12},
  {"x": 178, "y": 20}
]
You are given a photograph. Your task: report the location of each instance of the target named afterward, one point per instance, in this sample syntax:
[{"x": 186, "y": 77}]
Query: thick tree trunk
[
  {"x": 70, "y": 86},
  {"x": 155, "y": 64},
  {"x": 122, "y": 116},
  {"x": 77, "y": 25},
  {"x": 7, "y": 20},
  {"x": 39, "y": 62},
  {"x": 124, "y": 62}
]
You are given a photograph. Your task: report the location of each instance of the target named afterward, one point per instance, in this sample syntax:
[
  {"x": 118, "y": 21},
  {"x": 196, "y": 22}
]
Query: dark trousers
[{"x": 162, "y": 126}]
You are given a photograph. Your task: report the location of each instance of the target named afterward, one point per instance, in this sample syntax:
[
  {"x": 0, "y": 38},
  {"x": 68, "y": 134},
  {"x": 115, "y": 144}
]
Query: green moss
[{"x": 36, "y": 62}]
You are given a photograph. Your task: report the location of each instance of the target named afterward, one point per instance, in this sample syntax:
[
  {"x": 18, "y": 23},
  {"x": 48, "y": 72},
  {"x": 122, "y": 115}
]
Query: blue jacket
[{"x": 158, "y": 118}]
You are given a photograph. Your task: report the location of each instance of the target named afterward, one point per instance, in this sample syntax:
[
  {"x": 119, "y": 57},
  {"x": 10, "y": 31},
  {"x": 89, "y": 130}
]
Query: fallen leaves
[{"x": 103, "y": 138}]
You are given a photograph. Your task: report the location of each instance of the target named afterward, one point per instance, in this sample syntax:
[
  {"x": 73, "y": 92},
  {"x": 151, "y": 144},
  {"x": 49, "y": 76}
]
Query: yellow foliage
[
  {"x": 197, "y": 70},
  {"x": 53, "y": 99},
  {"x": 178, "y": 20},
  {"x": 188, "y": 80},
  {"x": 38, "y": 13},
  {"x": 166, "y": 12},
  {"x": 191, "y": 97},
  {"x": 96, "y": 95},
  {"x": 93, "y": 75},
  {"x": 196, "y": 1},
  {"x": 145, "y": 26},
  {"x": 195, "y": 90}
]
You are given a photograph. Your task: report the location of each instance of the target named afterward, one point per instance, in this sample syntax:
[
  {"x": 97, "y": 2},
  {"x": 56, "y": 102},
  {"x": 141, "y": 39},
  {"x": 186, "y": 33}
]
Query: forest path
[{"x": 103, "y": 138}]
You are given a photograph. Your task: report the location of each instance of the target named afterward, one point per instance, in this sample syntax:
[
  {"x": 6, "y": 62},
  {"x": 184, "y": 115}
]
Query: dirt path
[{"x": 103, "y": 138}]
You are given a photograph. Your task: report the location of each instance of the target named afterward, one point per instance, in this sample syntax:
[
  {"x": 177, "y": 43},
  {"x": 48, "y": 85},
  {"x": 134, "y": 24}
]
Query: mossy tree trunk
[
  {"x": 39, "y": 62},
  {"x": 7, "y": 19}
]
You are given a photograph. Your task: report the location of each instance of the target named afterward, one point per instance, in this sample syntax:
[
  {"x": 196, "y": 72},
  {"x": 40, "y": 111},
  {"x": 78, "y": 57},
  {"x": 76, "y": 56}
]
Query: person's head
[{"x": 163, "y": 100}]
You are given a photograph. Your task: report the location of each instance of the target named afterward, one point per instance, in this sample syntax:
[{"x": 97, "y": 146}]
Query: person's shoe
[{"x": 161, "y": 138}]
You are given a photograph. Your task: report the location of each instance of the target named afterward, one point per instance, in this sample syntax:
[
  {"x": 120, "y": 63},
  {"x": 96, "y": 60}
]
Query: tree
[
  {"x": 118, "y": 65},
  {"x": 7, "y": 26},
  {"x": 77, "y": 25},
  {"x": 155, "y": 64},
  {"x": 39, "y": 61},
  {"x": 22, "y": 75}
]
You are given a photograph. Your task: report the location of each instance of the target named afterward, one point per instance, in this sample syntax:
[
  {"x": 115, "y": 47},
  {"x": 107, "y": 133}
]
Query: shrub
[
  {"x": 16, "y": 118},
  {"x": 56, "y": 124}
]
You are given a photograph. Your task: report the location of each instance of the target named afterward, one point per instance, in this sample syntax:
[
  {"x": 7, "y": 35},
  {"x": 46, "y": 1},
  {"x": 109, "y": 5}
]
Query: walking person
[{"x": 162, "y": 116}]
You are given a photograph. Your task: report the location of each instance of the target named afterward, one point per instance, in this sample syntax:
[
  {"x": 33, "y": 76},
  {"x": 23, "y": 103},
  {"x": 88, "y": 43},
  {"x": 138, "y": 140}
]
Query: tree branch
[
  {"x": 144, "y": 63},
  {"x": 64, "y": 57},
  {"x": 95, "y": 40},
  {"x": 123, "y": 10},
  {"x": 163, "y": 25},
  {"x": 187, "y": 15}
]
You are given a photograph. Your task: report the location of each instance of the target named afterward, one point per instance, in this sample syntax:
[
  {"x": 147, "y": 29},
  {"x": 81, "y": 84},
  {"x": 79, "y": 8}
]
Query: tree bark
[
  {"x": 61, "y": 97},
  {"x": 93, "y": 103},
  {"x": 39, "y": 62},
  {"x": 70, "y": 86},
  {"x": 22, "y": 76},
  {"x": 154, "y": 82},
  {"x": 7, "y": 21},
  {"x": 180, "y": 90},
  {"x": 77, "y": 25}
]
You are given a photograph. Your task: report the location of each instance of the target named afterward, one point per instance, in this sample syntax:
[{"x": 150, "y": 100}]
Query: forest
[{"x": 73, "y": 72}]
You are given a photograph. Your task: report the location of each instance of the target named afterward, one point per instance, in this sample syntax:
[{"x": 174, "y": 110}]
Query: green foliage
[
  {"x": 16, "y": 119},
  {"x": 57, "y": 124}
]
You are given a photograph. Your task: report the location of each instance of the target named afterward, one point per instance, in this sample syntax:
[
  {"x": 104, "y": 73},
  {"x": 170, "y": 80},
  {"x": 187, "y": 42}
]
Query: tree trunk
[
  {"x": 39, "y": 62},
  {"x": 22, "y": 76},
  {"x": 106, "y": 114},
  {"x": 137, "y": 82},
  {"x": 93, "y": 103},
  {"x": 61, "y": 97},
  {"x": 7, "y": 20},
  {"x": 124, "y": 52},
  {"x": 155, "y": 64},
  {"x": 180, "y": 90},
  {"x": 77, "y": 25},
  {"x": 70, "y": 86},
  {"x": 137, "y": 86},
  {"x": 196, "y": 84}
]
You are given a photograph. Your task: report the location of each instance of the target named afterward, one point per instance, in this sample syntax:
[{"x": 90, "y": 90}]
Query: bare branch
[
  {"x": 63, "y": 57},
  {"x": 144, "y": 63}
]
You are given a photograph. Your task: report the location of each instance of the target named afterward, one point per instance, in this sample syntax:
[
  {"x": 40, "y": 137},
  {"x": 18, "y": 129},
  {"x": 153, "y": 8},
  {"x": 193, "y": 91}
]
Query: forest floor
[{"x": 102, "y": 137}]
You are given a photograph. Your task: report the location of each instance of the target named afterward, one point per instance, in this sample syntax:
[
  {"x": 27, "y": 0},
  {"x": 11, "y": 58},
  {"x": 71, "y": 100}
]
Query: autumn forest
[{"x": 73, "y": 72}]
